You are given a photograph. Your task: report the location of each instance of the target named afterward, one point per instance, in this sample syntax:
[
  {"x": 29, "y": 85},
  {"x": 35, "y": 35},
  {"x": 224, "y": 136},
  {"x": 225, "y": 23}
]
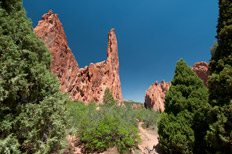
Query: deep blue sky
[{"x": 152, "y": 34}]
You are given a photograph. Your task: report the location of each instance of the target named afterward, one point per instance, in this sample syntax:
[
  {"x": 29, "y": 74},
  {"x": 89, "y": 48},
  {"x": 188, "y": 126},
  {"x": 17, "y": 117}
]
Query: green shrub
[
  {"x": 149, "y": 117},
  {"x": 9, "y": 145},
  {"x": 111, "y": 126},
  {"x": 108, "y": 132},
  {"x": 78, "y": 113},
  {"x": 108, "y": 127}
]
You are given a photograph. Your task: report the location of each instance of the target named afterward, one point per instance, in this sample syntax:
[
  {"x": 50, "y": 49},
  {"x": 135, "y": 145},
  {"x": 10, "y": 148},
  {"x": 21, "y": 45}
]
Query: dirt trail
[{"x": 150, "y": 142}]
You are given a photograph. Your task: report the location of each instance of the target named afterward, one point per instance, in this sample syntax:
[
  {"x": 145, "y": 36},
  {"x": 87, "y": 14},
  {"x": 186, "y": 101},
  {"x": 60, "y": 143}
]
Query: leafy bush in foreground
[
  {"x": 105, "y": 128},
  {"x": 108, "y": 125},
  {"x": 109, "y": 130}
]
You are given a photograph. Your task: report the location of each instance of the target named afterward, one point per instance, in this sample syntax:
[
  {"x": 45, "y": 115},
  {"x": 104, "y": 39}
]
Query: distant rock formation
[
  {"x": 155, "y": 95},
  {"x": 84, "y": 84},
  {"x": 202, "y": 71},
  {"x": 137, "y": 106}
]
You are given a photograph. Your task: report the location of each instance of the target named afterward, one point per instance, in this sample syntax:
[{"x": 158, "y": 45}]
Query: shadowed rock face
[
  {"x": 202, "y": 71},
  {"x": 84, "y": 84},
  {"x": 155, "y": 95}
]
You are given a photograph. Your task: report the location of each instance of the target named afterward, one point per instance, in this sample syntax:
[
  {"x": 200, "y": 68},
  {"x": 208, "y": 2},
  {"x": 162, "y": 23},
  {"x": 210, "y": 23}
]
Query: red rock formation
[
  {"x": 137, "y": 106},
  {"x": 155, "y": 95},
  {"x": 202, "y": 71},
  {"x": 64, "y": 64},
  {"x": 85, "y": 84}
]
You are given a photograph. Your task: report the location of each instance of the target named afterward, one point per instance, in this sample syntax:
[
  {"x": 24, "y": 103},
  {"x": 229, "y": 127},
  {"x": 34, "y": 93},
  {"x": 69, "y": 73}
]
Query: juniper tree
[
  {"x": 180, "y": 126},
  {"x": 219, "y": 136},
  {"x": 32, "y": 116},
  {"x": 108, "y": 98}
]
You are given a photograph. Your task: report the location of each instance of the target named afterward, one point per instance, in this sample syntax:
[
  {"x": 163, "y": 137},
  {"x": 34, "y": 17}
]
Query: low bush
[
  {"x": 149, "y": 117},
  {"x": 109, "y": 125},
  {"x": 101, "y": 129}
]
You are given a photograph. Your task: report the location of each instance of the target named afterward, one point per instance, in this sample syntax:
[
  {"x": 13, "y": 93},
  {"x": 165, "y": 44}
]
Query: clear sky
[{"x": 152, "y": 34}]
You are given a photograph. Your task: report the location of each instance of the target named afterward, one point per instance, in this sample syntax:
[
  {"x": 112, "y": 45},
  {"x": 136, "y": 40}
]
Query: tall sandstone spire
[{"x": 84, "y": 84}]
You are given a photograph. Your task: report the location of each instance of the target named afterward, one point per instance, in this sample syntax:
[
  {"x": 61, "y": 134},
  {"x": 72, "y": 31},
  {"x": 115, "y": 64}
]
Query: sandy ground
[
  {"x": 150, "y": 142},
  {"x": 149, "y": 145}
]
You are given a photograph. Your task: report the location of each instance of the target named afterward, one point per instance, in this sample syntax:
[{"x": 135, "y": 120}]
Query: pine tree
[
  {"x": 219, "y": 136},
  {"x": 179, "y": 127},
  {"x": 32, "y": 115},
  {"x": 108, "y": 98}
]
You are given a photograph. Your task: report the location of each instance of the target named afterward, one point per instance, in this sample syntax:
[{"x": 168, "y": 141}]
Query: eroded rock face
[
  {"x": 202, "y": 71},
  {"x": 155, "y": 95},
  {"x": 64, "y": 64},
  {"x": 84, "y": 84}
]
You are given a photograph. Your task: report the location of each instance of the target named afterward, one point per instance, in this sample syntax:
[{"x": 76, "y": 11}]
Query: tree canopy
[
  {"x": 184, "y": 104},
  {"x": 32, "y": 115},
  {"x": 219, "y": 136}
]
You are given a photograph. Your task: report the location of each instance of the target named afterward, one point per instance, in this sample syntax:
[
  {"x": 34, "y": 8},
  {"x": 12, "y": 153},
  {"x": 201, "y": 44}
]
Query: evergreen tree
[
  {"x": 32, "y": 115},
  {"x": 219, "y": 136},
  {"x": 213, "y": 48},
  {"x": 108, "y": 98},
  {"x": 179, "y": 127}
]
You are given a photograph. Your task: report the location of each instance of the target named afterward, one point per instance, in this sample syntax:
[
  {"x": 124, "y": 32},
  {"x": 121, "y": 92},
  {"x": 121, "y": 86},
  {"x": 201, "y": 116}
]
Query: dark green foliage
[
  {"x": 101, "y": 129},
  {"x": 9, "y": 145},
  {"x": 213, "y": 48},
  {"x": 219, "y": 136},
  {"x": 180, "y": 126},
  {"x": 176, "y": 134},
  {"x": 32, "y": 115},
  {"x": 108, "y": 98}
]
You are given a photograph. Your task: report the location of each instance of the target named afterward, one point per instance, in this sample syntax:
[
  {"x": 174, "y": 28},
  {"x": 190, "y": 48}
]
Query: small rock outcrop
[
  {"x": 155, "y": 95},
  {"x": 84, "y": 84},
  {"x": 202, "y": 71},
  {"x": 137, "y": 106}
]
